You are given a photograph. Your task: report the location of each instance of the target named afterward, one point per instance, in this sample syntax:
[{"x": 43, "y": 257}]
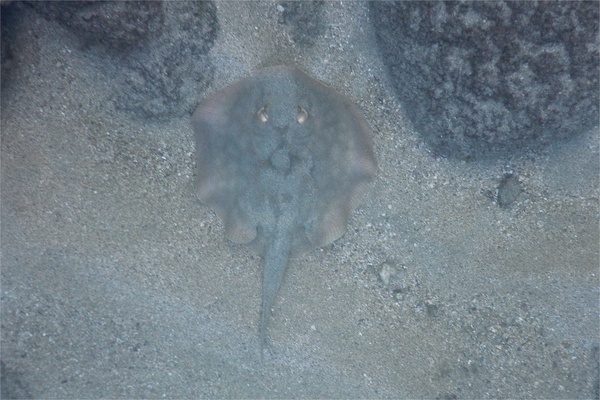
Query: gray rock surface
[
  {"x": 156, "y": 51},
  {"x": 121, "y": 25},
  {"x": 6, "y": 38},
  {"x": 304, "y": 19},
  {"x": 492, "y": 77},
  {"x": 116, "y": 282}
]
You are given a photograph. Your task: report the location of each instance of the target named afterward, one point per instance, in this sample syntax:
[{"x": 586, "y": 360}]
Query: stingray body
[{"x": 283, "y": 160}]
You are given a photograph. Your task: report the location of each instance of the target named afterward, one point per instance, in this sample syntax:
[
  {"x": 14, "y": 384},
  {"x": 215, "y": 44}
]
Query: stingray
[{"x": 283, "y": 160}]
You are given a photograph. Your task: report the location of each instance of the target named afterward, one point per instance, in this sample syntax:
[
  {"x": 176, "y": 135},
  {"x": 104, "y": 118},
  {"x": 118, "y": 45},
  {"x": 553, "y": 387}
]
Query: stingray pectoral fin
[{"x": 276, "y": 260}]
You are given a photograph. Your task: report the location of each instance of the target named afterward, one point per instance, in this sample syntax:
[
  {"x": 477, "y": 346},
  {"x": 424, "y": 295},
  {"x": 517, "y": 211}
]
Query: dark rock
[
  {"x": 168, "y": 79},
  {"x": 8, "y": 15},
  {"x": 305, "y": 20},
  {"x": 119, "y": 24},
  {"x": 481, "y": 78},
  {"x": 156, "y": 52}
]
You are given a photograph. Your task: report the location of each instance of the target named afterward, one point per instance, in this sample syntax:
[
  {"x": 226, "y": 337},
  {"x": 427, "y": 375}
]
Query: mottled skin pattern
[{"x": 283, "y": 160}]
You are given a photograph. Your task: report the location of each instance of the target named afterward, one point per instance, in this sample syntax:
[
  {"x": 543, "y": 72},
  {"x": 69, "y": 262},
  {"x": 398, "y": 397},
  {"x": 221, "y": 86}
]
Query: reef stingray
[{"x": 283, "y": 160}]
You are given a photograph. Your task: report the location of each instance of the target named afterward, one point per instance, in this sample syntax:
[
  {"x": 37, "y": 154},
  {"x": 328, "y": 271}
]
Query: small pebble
[
  {"x": 386, "y": 272},
  {"x": 508, "y": 190}
]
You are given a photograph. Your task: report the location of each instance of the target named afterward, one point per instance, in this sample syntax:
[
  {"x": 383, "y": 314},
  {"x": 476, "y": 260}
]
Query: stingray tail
[{"x": 276, "y": 261}]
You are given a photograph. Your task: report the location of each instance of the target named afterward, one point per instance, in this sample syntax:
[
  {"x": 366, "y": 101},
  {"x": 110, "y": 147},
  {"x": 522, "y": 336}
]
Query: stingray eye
[
  {"x": 302, "y": 115},
  {"x": 262, "y": 114}
]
